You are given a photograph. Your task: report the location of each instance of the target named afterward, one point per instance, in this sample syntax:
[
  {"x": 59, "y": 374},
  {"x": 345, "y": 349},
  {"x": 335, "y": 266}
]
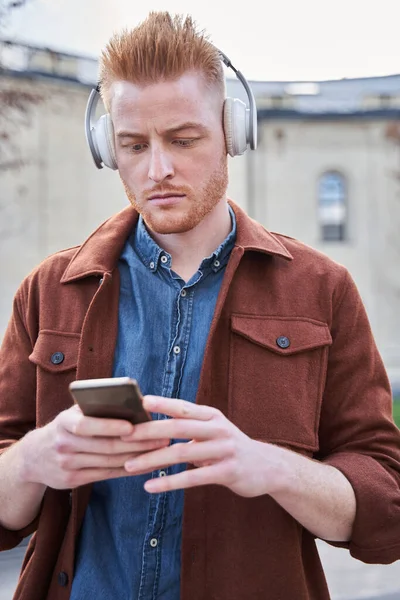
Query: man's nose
[{"x": 160, "y": 167}]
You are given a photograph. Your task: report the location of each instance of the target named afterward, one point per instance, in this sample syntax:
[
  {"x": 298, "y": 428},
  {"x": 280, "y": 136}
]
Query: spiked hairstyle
[{"x": 162, "y": 47}]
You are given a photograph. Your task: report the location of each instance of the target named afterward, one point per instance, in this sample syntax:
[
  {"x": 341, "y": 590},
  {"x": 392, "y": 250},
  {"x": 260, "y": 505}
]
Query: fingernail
[{"x": 150, "y": 485}]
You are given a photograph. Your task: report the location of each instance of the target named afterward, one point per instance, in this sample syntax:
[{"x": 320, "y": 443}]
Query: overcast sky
[{"x": 304, "y": 40}]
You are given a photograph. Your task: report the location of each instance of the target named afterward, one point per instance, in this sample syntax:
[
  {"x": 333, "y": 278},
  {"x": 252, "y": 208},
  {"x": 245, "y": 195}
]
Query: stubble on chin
[{"x": 196, "y": 206}]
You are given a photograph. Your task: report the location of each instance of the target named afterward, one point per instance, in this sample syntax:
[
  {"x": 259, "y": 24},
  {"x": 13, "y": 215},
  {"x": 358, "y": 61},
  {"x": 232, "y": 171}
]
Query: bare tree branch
[{"x": 15, "y": 104}]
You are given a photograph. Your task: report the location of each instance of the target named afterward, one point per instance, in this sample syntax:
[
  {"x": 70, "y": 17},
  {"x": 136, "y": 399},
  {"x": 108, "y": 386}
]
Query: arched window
[{"x": 332, "y": 206}]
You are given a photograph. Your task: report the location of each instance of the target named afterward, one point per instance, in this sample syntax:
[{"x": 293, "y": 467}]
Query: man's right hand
[{"x": 73, "y": 450}]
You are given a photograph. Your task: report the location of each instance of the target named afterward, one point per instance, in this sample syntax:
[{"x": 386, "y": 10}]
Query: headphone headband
[
  {"x": 89, "y": 125},
  {"x": 250, "y": 96}
]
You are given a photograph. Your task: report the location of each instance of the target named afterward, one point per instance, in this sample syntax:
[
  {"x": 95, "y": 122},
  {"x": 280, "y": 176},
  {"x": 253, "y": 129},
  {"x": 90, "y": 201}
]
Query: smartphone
[{"x": 111, "y": 398}]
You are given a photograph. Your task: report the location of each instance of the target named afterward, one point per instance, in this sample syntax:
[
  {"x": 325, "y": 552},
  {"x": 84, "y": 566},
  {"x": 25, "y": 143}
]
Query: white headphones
[{"x": 240, "y": 125}]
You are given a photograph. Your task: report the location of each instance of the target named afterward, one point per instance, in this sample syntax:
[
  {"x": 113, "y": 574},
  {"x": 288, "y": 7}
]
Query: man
[{"x": 272, "y": 407}]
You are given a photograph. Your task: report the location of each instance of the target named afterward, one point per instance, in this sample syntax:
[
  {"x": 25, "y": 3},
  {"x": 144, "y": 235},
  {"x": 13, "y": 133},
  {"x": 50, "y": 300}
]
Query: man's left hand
[{"x": 222, "y": 453}]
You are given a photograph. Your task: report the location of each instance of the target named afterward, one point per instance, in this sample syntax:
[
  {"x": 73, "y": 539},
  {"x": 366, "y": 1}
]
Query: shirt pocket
[
  {"x": 55, "y": 355},
  {"x": 56, "y": 351},
  {"x": 277, "y": 373}
]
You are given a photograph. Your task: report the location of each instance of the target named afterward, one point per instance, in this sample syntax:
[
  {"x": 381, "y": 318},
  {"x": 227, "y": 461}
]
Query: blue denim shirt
[{"x": 130, "y": 543}]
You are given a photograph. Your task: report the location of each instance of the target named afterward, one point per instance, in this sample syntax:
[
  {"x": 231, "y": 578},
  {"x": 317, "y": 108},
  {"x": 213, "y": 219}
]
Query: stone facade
[{"x": 52, "y": 196}]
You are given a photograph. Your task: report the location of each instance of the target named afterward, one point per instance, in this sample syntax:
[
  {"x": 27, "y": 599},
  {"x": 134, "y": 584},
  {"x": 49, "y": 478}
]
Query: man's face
[{"x": 170, "y": 150}]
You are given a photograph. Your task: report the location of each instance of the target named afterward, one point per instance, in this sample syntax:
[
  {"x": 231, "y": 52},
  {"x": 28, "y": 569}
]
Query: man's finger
[
  {"x": 76, "y": 422},
  {"x": 179, "y": 453},
  {"x": 181, "y": 409},
  {"x": 178, "y": 429},
  {"x": 186, "y": 479},
  {"x": 106, "y": 445},
  {"x": 90, "y": 475},
  {"x": 78, "y": 461}
]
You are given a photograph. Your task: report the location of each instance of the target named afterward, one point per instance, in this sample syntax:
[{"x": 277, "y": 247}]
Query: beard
[{"x": 187, "y": 214}]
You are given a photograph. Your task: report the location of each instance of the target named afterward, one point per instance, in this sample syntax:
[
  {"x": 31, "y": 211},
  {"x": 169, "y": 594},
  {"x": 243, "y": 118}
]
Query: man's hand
[
  {"x": 223, "y": 454},
  {"x": 317, "y": 495},
  {"x": 74, "y": 450}
]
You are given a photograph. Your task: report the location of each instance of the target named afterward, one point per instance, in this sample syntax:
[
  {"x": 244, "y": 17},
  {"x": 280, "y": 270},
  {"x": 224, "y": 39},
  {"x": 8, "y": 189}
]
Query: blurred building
[{"x": 327, "y": 171}]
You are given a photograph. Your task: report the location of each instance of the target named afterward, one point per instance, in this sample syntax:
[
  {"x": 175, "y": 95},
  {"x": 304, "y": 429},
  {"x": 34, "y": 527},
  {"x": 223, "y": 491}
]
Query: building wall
[
  {"x": 56, "y": 197},
  {"x": 293, "y": 156}
]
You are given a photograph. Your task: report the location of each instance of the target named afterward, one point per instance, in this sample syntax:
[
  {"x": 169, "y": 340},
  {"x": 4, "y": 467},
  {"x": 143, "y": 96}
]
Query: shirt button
[
  {"x": 216, "y": 263},
  {"x": 176, "y": 350},
  {"x": 164, "y": 259},
  {"x": 57, "y": 358},
  {"x": 183, "y": 293},
  {"x": 283, "y": 341},
  {"x": 153, "y": 542},
  {"x": 151, "y": 265},
  {"x": 162, "y": 473}
]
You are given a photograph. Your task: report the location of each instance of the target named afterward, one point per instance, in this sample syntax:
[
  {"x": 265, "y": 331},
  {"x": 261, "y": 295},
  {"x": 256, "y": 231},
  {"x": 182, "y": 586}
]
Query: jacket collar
[
  {"x": 251, "y": 235},
  {"x": 99, "y": 254}
]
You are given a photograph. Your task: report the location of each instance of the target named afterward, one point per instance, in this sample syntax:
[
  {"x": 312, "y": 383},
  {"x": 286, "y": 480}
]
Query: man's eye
[
  {"x": 184, "y": 143},
  {"x": 137, "y": 147}
]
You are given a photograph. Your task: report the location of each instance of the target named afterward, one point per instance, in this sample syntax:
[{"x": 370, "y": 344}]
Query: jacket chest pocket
[
  {"x": 55, "y": 355},
  {"x": 277, "y": 375}
]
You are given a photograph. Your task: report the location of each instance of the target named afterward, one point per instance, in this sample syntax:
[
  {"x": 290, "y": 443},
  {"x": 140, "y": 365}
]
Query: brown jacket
[{"x": 326, "y": 396}]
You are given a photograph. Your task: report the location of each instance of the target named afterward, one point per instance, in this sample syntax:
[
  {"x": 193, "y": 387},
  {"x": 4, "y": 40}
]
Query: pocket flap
[
  {"x": 283, "y": 335},
  {"x": 56, "y": 351}
]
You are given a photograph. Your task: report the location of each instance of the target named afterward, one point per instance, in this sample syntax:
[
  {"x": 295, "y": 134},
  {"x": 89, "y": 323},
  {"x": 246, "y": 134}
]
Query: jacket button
[
  {"x": 57, "y": 358},
  {"x": 62, "y": 579},
  {"x": 283, "y": 341}
]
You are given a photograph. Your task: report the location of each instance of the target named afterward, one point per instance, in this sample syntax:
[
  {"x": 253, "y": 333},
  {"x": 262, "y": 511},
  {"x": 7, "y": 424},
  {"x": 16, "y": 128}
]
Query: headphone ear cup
[
  {"x": 235, "y": 126},
  {"x": 103, "y": 135}
]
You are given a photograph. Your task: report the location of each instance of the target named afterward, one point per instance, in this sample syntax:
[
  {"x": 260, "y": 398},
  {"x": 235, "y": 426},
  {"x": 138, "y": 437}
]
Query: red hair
[{"x": 162, "y": 47}]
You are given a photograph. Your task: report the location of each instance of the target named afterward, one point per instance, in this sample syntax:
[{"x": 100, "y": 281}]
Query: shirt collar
[
  {"x": 100, "y": 253},
  {"x": 152, "y": 256},
  {"x": 220, "y": 256},
  {"x": 146, "y": 248}
]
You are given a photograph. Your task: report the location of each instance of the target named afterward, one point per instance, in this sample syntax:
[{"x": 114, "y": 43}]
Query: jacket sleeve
[
  {"x": 357, "y": 433},
  {"x": 17, "y": 397}
]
